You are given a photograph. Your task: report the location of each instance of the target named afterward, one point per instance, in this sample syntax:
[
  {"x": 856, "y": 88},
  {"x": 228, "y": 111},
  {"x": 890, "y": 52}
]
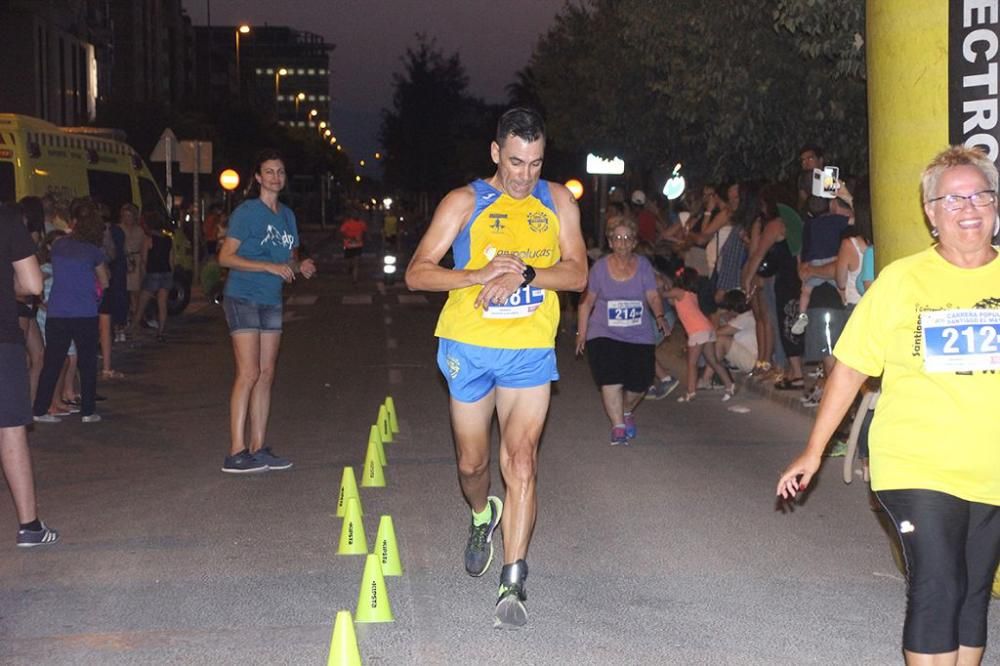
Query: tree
[
  {"x": 434, "y": 136},
  {"x": 731, "y": 93}
]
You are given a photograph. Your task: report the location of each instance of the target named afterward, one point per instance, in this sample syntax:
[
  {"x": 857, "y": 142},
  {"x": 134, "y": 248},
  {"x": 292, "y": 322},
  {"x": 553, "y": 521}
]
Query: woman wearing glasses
[
  {"x": 613, "y": 325},
  {"x": 930, "y": 324}
]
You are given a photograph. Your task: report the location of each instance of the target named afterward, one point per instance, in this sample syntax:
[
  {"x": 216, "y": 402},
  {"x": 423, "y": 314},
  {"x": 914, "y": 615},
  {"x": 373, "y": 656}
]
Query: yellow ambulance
[{"x": 38, "y": 158}]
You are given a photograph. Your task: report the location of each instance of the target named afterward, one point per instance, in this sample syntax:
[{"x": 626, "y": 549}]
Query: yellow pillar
[
  {"x": 933, "y": 80},
  {"x": 907, "y": 52}
]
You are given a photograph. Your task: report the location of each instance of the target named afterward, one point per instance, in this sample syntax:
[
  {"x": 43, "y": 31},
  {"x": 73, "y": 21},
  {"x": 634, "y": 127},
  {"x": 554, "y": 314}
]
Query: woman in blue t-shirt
[
  {"x": 79, "y": 275},
  {"x": 261, "y": 254}
]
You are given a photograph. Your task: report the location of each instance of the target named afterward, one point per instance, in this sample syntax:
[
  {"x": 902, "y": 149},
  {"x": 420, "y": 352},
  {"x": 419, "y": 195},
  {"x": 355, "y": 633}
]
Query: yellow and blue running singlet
[{"x": 500, "y": 224}]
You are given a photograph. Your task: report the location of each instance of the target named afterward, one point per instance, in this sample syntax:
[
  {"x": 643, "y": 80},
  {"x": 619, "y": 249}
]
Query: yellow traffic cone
[
  {"x": 373, "y": 599},
  {"x": 390, "y": 407},
  {"x": 384, "y": 431},
  {"x": 386, "y": 548},
  {"x": 352, "y": 533},
  {"x": 374, "y": 436},
  {"x": 348, "y": 489},
  {"x": 372, "y": 475},
  {"x": 344, "y": 644}
]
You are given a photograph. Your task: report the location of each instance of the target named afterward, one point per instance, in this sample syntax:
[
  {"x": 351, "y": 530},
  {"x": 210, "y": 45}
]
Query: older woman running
[{"x": 930, "y": 325}]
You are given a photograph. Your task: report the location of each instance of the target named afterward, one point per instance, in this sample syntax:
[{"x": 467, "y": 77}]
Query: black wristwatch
[{"x": 528, "y": 274}]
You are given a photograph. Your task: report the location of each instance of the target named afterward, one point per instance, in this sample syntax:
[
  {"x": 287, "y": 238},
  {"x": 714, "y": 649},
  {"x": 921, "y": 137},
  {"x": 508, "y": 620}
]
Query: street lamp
[
  {"x": 229, "y": 180},
  {"x": 362, "y": 162},
  {"x": 298, "y": 100},
  {"x": 277, "y": 81},
  {"x": 243, "y": 29},
  {"x": 327, "y": 133}
]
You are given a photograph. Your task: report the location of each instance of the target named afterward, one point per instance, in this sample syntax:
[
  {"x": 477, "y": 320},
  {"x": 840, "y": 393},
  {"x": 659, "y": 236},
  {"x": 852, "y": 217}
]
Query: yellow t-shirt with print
[
  {"x": 931, "y": 328},
  {"x": 501, "y": 224}
]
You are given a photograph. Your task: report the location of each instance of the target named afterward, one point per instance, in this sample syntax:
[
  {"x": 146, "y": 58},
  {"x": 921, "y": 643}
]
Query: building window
[
  {"x": 270, "y": 70},
  {"x": 311, "y": 72},
  {"x": 300, "y": 72},
  {"x": 260, "y": 71}
]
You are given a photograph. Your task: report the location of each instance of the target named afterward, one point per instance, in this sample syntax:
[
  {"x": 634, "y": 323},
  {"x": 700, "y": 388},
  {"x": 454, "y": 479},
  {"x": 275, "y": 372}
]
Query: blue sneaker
[
  {"x": 243, "y": 463},
  {"x": 32, "y": 538},
  {"x": 266, "y": 456},
  {"x": 479, "y": 548},
  {"x": 619, "y": 436},
  {"x": 629, "y": 425}
]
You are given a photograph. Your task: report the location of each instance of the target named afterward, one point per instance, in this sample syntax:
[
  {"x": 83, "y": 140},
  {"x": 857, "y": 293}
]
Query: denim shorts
[
  {"x": 153, "y": 282},
  {"x": 243, "y": 315},
  {"x": 472, "y": 371}
]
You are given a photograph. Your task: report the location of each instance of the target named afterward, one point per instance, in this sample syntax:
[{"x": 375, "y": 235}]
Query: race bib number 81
[
  {"x": 522, "y": 303},
  {"x": 961, "y": 340}
]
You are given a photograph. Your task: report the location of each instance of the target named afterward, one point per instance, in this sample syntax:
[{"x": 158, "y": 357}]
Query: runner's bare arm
[
  {"x": 570, "y": 274},
  {"x": 424, "y": 272}
]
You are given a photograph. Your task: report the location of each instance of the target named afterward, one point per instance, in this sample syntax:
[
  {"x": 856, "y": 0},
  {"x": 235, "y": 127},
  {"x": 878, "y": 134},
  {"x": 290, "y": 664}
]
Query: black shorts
[
  {"x": 15, "y": 396},
  {"x": 951, "y": 548},
  {"x": 627, "y": 363},
  {"x": 351, "y": 252},
  {"x": 26, "y": 311}
]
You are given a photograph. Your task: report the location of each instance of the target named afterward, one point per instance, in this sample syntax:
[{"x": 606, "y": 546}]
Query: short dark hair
[
  {"x": 735, "y": 300},
  {"x": 817, "y": 206},
  {"x": 811, "y": 147},
  {"x": 524, "y": 123}
]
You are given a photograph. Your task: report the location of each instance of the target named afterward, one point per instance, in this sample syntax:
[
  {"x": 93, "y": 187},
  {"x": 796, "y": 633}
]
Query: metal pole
[
  {"x": 324, "y": 187},
  {"x": 196, "y": 222},
  {"x": 169, "y": 153}
]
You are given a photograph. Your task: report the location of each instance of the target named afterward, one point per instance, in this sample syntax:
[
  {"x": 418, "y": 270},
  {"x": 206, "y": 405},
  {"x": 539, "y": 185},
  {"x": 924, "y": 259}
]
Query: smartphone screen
[{"x": 826, "y": 182}]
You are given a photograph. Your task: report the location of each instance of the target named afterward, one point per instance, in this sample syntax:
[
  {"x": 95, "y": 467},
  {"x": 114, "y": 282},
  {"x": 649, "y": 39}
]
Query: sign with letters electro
[{"x": 974, "y": 54}]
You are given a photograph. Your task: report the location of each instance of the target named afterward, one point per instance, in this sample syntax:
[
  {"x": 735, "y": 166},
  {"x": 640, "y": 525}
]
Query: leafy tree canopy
[
  {"x": 731, "y": 91},
  {"x": 434, "y": 134}
]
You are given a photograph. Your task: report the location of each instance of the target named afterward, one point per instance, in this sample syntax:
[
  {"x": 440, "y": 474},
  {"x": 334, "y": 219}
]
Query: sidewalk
[{"x": 672, "y": 354}]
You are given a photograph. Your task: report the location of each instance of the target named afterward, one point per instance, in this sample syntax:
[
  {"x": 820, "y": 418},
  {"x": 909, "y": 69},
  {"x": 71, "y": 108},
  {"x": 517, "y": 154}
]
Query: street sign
[
  {"x": 187, "y": 156},
  {"x": 599, "y": 165},
  {"x": 166, "y": 148}
]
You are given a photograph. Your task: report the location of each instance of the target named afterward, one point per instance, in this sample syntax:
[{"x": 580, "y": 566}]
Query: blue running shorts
[{"x": 472, "y": 371}]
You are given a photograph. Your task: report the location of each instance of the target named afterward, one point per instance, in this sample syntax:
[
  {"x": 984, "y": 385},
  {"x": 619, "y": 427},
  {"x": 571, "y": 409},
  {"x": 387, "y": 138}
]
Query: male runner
[{"x": 516, "y": 241}]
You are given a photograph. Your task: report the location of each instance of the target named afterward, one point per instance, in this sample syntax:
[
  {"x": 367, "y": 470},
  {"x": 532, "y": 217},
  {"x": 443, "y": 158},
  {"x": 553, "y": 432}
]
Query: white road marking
[
  {"x": 412, "y": 299},
  {"x": 302, "y": 299},
  {"x": 357, "y": 299},
  {"x": 391, "y": 343},
  {"x": 395, "y": 376},
  {"x": 388, "y": 320}
]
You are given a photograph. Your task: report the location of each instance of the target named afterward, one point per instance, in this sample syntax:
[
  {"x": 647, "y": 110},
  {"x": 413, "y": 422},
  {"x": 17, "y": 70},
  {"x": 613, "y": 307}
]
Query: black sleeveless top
[{"x": 158, "y": 257}]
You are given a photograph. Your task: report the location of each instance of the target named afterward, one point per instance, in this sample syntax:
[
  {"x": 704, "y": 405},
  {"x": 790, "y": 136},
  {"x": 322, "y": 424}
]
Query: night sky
[{"x": 494, "y": 38}]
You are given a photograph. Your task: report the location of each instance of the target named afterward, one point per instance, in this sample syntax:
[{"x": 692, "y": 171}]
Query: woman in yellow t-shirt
[{"x": 930, "y": 325}]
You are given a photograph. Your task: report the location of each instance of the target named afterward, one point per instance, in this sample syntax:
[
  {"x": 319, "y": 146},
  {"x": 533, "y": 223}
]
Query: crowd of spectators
[
  {"x": 97, "y": 283},
  {"x": 763, "y": 275}
]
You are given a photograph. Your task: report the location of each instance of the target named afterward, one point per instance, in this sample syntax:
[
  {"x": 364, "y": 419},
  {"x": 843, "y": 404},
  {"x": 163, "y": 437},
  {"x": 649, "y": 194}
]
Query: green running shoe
[{"x": 479, "y": 548}]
